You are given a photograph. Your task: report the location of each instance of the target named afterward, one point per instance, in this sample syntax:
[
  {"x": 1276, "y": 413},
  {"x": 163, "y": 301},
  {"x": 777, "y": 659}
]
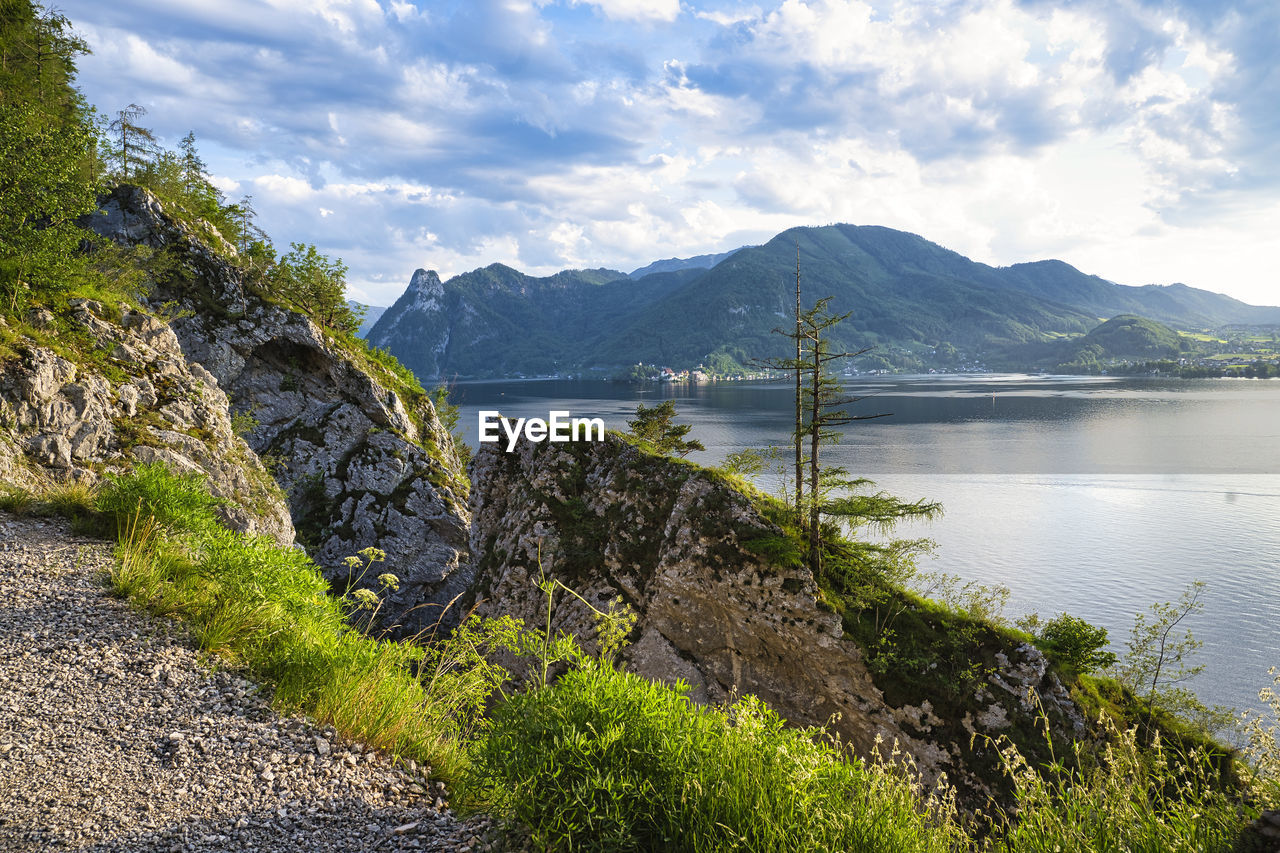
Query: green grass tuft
[{"x": 606, "y": 760}]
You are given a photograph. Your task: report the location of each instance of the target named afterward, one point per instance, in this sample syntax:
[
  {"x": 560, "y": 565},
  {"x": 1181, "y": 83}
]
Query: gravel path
[{"x": 115, "y": 737}]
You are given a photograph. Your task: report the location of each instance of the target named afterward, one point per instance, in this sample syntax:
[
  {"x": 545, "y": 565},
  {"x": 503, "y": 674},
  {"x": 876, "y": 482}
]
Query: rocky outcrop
[
  {"x": 361, "y": 470},
  {"x": 134, "y": 398},
  {"x": 679, "y": 545},
  {"x": 363, "y": 466}
]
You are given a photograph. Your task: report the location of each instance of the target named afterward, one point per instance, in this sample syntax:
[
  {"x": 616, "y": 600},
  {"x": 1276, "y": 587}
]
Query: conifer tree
[
  {"x": 654, "y": 427},
  {"x": 135, "y": 145},
  {"x": 824, "y": 402},
  {"x": 830, "y": 492}
]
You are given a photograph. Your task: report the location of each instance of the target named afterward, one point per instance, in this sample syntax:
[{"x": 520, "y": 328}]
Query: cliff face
[
  {"x": 360, "y": 467},
  {"x": 676, "y": 543},
  {"x": 139, "y": 400}
]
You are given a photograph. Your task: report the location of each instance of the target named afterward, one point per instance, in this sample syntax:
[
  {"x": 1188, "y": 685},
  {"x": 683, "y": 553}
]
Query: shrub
[{"x": 1077, "y": 644}]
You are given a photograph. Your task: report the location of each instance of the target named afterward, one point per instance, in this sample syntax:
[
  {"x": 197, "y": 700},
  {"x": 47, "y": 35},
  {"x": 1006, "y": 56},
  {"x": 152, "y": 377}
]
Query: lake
[{"x": 1092, "y": 495}]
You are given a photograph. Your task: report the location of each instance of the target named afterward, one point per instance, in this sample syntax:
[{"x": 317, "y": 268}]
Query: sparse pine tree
[
  {"x": 823, "y": 401},
  {"x": 134, "y": 146}
]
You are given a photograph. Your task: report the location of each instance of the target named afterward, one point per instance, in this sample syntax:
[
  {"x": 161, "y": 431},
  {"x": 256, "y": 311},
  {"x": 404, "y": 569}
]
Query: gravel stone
[{"x": 116, "y": 736}]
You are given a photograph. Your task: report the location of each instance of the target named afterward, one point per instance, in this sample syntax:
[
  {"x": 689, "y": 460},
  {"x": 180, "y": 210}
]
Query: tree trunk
[
  {"x": 815, "y": 430},
  {"x": 799, "y": 434}
]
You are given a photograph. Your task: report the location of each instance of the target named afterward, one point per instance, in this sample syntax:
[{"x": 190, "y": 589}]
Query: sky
[{"x": 1139, "y": 141}]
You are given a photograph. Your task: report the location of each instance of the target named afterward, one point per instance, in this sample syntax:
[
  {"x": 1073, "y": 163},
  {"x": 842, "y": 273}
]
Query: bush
[
  {"x": 1077, "y": 644},
  {"x": 606, "y": 760}
]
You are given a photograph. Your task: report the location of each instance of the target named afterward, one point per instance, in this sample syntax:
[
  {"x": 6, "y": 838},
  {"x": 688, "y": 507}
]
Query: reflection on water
[{"x": 1094, "y": 495}]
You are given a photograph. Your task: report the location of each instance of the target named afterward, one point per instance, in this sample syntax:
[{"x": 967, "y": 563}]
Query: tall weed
[
  {"x": 1126, "y": 798},
  {"x": 1263, "y": 749}
]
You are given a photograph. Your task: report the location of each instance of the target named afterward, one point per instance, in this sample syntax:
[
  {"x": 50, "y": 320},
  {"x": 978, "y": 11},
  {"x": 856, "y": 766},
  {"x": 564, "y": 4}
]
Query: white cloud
[
  {"x": 728, "y": 18},
  {"x": 636, "y": 10},
  {"x": 284, "y": 188},
  {"x": 522, "y": 131}
]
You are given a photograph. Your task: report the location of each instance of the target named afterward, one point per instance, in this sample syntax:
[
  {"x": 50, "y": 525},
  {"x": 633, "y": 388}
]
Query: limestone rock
[
  {"x": 358, "y": 468},
  {"x": 71, "y": 422},
  {"x": 675, "y": 542},
  {"x": 362, "y": 467}
]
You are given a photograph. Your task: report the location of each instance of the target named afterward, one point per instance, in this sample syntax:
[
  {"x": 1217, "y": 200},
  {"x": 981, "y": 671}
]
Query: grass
[
  {"x": 602, "y": 759},
  {"x": 605, "y": 760},
  {"x": 267, "y": 608},
  {"x": 74, "y": 500},
  {"x": 1129, "y": 798}
]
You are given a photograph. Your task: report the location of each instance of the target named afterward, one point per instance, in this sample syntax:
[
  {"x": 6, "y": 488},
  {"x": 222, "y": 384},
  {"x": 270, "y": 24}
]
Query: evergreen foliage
[
  {"x": 830, "y": 492},
  {"x": 654, "y": 428},
  {"x": 131, "y": 148}
]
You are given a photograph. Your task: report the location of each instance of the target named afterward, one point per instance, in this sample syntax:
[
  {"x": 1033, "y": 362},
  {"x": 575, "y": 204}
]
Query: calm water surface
[{"x": 1093, "y": 495}]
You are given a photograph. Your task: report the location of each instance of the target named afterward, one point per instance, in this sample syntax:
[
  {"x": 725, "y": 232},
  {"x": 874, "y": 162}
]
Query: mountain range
[{"x": 910, "y": 299}]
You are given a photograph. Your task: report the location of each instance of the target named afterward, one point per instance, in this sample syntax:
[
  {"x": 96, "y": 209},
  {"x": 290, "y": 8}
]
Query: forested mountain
[
  {"x": 909, "y": 298},
  {"x": 701, "y": 262},
  {"x": 497, "y": 321}
]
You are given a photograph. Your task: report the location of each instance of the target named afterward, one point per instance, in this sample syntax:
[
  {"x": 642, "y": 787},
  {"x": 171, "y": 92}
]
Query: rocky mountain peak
[{"x": 426, "y": 283}]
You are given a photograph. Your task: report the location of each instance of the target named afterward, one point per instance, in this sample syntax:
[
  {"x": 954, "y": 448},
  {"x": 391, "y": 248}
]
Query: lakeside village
[
  {"x": 1230, "y": 367},
  {"x": 1254, "y": 354}
]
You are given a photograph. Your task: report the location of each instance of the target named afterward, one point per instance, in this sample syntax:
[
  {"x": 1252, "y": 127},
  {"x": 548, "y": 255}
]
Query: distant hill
[
  {"x": 1177, "y": 304},
  {"x": 1126, "y": 337},
  {"x": 918, "y": 303},
  {"x": 498, "y": 321},
  {"x": 371, "y": 315},
  {"x": 702, "y": 262}
]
